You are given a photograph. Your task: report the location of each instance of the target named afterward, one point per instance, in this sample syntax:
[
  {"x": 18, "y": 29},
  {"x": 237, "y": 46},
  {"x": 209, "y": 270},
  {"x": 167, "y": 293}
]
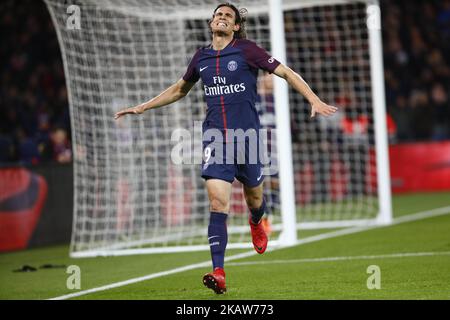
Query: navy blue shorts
[{"x": 227, "y": 161}]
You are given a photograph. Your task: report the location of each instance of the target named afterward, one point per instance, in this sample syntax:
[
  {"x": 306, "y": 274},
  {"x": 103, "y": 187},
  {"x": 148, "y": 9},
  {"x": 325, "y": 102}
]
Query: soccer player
[{"x": 228, "y": 68}]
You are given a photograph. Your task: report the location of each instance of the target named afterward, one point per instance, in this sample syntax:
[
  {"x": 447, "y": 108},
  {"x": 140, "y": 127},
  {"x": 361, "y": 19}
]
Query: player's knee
[
  {"x": 254, "y": 201},
  {"x": 219, "y": 205}
]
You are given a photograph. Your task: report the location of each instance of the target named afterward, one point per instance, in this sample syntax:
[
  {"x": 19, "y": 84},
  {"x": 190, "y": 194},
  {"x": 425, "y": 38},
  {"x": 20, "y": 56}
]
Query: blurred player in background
[{"x": 229, "y": 68}]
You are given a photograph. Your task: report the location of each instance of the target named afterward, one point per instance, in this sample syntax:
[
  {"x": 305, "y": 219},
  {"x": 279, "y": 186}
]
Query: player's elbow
[
  {"x": 284, "y": 72},
  {"x": 181, "y": 94},
  {"x": 182, "y": 88},
  {"x": 178, "y": 92}
]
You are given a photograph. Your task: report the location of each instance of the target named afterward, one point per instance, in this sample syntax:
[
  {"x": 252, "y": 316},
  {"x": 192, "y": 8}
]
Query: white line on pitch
[
  {"x": 344, "y": 258},
  {"x": 403, "y": 219}
]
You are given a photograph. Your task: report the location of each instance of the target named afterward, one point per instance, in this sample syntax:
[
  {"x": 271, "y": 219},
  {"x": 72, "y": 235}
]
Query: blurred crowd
[
  {"x": 416, "y": 40},
  {"x": 35, "y": 121}
]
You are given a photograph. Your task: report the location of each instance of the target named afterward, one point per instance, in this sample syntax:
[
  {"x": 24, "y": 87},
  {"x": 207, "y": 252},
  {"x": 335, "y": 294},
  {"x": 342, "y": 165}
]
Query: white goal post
[{"x": 134, "y": 194}]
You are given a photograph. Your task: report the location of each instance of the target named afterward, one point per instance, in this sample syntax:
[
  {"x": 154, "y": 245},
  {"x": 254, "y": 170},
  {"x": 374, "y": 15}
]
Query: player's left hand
[{"x": 322, "y": 108}]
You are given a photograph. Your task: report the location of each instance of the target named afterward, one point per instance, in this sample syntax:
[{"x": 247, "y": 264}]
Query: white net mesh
[
  {"x": 333, "y": 157},
  {"x": 129, "y": 192}
]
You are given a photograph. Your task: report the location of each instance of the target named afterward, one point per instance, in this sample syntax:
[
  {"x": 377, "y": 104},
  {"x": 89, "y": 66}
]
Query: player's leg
[
  {"x": 255, "y": 202},
  {"x": 257, "y": 205},
  {"x": 271, "y": 188},
  {"x": 251, "y": 174},
  {"x": 219, "y": 193}
]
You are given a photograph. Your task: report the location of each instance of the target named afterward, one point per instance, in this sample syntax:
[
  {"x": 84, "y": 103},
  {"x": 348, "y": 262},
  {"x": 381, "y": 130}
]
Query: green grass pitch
[{"x": 334, "y": 268}]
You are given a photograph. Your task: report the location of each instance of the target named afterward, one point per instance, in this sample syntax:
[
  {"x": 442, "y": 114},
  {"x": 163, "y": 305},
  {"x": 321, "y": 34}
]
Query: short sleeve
[
  {"x": 191, "y": 74},
  {"x": 258, "y": 57}
]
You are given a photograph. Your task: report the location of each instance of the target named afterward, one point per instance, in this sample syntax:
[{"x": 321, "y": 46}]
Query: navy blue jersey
[{"x": 229, "y": 79}]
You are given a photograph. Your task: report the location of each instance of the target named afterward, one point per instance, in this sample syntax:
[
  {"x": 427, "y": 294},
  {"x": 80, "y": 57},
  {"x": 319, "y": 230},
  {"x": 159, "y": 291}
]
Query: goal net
[{"x": 137, "y": 184}]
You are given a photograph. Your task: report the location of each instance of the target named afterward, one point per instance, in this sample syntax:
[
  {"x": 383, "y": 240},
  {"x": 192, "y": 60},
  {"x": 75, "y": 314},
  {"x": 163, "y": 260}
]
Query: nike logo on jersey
[
  {"x": 212, "y": 237},
  {"x": 201, "y": 69}
]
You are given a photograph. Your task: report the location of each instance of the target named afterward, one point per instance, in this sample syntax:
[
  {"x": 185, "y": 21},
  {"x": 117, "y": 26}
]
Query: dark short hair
[{"x": 240, "y": 19}]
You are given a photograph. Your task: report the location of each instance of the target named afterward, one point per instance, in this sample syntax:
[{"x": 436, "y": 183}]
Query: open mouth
[{"x": 222, "y": 24}]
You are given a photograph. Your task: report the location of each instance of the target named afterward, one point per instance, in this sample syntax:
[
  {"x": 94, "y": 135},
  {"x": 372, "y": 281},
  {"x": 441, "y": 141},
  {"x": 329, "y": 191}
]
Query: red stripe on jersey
[
  {"x": 224, "y": 116},
  {"x": 222, "y": 101},
  {"x": 217, "y": 62}
]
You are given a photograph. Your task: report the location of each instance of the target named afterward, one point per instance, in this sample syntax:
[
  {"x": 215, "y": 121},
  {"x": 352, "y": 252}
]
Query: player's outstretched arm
[
  {"x": 174, "y": 93},
  {"x": 296, "y": 81}
]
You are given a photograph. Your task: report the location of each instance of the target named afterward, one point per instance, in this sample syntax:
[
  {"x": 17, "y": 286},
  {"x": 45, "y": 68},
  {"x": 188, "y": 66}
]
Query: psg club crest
[{"x": 232, "y": 65}]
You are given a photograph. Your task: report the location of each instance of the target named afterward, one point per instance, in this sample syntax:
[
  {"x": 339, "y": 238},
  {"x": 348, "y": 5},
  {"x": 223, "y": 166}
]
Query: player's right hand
[
  {"x": 322, "y": 108},
  {"x": 133, "y": 110}
]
